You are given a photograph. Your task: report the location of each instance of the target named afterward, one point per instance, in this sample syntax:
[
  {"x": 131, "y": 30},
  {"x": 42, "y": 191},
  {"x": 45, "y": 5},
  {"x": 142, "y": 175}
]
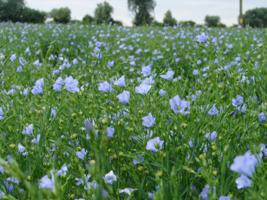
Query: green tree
[
  {"x": 187, "y": 23},
  {"x": 256, "y": 18},
  {"x": 33, "y": 16},
  {"x": 103, "y": 13},
  {"x": 61, "y": 15},
  {"x": 88, "y": 19},
  {"x": 212, "y": 21},
  {"x": 142, "y": 10},
  {"x": 11, "y": 10},
  {"x": 169, "y": 20}
]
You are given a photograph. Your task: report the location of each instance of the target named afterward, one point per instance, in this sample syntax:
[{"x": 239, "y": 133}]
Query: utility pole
[{"x": 240, "y": 18}]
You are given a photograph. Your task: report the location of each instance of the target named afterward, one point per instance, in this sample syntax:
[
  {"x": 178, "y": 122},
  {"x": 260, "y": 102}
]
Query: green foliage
[
  {"x": 103, "y": 13},
  {"x": 142, "y": 10},
  {"x": 156, "y": 23},
  {"x": 61, "y": 15},
  {"x": 256, "y": 18},
  {"x": 187, "y": 23},
  {"x": 33, "y": 16},
  {"x": 169, "y": 20},
  {"x": 11, "y": 10},
  {"x": 212, "y": 21},
  {"x": 88, "y": 19}
]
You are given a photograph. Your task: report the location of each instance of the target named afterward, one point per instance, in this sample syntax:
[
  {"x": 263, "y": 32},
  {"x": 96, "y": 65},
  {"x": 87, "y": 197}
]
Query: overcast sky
[{"x": 195, "y": 10}]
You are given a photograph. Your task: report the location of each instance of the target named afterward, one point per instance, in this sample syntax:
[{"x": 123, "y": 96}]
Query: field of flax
[{"x": 101, "y": 112}]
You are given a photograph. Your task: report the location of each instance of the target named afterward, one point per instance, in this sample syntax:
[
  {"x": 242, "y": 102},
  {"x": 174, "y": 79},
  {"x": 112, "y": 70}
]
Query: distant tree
[
  {"x": 103, "y": 13},
  {"x": 142, "y": 10},
  {"x": 187, "y": 23},
  {"x": 117, "y": 23},
  {"x": 169, "y": 20},
  {"x": 256, "y": 18},
  {"x": 33, "y": 16},
  {"x": 157, "y": 23},
  {"x": 212, "y": 21},
  {"x": 88, "y": 19},
  {"x": 11, "y": 10},
  {"x": 61, "y": 15}
]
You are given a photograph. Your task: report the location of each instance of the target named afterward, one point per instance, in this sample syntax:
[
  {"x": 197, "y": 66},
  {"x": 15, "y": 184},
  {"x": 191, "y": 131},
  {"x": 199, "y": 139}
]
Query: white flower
[
  {"x": 110, "y": 177},
  {"x": 155, "y": 144},
  {"x": 124, "y": 97},
  {"x": 148, "y": 121},
  {"x": 47, "y": 183}
]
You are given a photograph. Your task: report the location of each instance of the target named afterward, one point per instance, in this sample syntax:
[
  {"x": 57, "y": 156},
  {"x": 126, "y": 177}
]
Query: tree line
[{"x": 17, "y": 11}]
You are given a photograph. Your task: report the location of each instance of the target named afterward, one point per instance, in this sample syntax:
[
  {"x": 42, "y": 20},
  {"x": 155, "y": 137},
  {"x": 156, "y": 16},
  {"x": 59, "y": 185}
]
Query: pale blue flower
[
  {"x": 127, "y": 191},
  {"x": 120, "y": 82},
  {"x": 162, "y": 92},
  {"x": 213, "y": 111},
  {"x": 243, "y": 182},
  {"x": 168, "y": 76},
  {"x": 37, "y": 139},
  {"x": 155, "y": 144},
  {"x": 53, "y": 112},
  {"x": 28, "y": 130},
  {"x": 211, "y": 136},
  {"x": 38, "y": 87},
  {"x": 25, "y": 92},
  {"x": 110, "y": 132},
  {"x": 47, "y": 183},
  {"x": 124, "y": 97},
  {"x": 13, "y": 58},
  {"x": 179, "y": 105},
  {"x": 195, "y": 72},
  {"x": 58, "y": 84},
  {"x": 225, "y": 198},
  {"x": 148, "y": 121},
  {"x": 202, "y": 38},
  {"x": 143, "y": 89},
  {"x": 104, "y": 87},
  {"x": 110, "y": 177},
  {"x": 2, "y": 116},
  {"x": 245, "y": 164},
  {"x": 71, "y": 84},
  {"x": 81, "y": 154},
  {"x": 139, "y": 159},
  {"x": 204, "y": 195},
  {"x": 146, "y": 70},
  {"x": 21, "y": 148},
  {"x": 63, "y": 170},
  {"x": 238, "y": 102},
  {"x": 261, "y": 116}
]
